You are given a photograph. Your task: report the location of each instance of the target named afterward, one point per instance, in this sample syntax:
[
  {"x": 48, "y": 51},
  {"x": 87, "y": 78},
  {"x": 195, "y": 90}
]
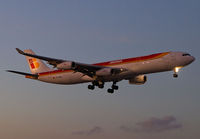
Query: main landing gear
[
  {"x": 91, "y": 87},
  {"x": 101, "y": 85},
  {"x": 96, "y": 83},
  {"x": 113, "y": 87}
]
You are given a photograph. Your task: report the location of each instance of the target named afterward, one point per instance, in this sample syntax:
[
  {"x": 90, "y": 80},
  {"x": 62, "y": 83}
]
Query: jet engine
[
  {"x": 66, "y": 65},
  {"x": 138, "y": 80}
]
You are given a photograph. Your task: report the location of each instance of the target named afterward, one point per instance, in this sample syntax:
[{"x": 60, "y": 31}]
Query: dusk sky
[{"x": 92, "y": 31}]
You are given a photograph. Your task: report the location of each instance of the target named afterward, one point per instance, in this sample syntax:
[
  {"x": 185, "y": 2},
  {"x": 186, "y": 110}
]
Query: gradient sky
[{"x": 93, "y": 31}]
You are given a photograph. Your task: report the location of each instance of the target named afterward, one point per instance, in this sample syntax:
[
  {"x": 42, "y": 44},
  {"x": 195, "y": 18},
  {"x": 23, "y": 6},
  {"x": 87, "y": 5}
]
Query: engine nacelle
[
  {"x": 138, "y": 80},
  {"x": 66, "y": 65},
  {"x": 104, "y": 72}
]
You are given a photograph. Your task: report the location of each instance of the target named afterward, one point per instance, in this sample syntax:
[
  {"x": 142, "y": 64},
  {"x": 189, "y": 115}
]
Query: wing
[
  {"x": 86, "y": 69},
  {"x": 51, "y": 61}
]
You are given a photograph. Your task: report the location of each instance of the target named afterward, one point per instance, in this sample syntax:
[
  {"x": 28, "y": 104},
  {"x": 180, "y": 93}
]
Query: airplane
[{"x": 132, "y": 69}]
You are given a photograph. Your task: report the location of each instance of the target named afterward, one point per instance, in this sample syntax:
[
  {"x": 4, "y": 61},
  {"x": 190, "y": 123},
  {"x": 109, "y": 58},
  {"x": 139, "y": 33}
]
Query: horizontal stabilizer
[{"x": 27, "y": 75}]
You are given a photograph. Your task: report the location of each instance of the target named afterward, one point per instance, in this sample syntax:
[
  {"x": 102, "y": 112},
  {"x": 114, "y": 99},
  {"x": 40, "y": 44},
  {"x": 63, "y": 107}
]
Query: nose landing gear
[
  {"x": 175, "y": 75},
  {"x": 176, "y": 69}
]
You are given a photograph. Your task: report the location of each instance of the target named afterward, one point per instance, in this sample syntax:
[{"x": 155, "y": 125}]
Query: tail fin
[{"x": 36, "y": 65}]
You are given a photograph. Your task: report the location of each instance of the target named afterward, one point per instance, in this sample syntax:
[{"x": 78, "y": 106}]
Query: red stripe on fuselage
[
  {"x": 115, "y": 62},
  {"x": 135, "y": 59}
]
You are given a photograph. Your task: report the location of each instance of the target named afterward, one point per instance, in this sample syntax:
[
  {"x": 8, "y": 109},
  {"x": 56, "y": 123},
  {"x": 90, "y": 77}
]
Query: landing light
[{"x": 177, "y": 69}]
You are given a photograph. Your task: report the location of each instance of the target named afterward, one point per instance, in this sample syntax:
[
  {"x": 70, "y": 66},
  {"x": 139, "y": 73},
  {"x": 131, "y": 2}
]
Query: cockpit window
[{"x": 186, "y": 54}]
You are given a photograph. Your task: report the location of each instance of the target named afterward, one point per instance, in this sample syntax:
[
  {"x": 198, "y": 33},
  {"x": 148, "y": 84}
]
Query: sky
[{"x": 92, "y": 31}]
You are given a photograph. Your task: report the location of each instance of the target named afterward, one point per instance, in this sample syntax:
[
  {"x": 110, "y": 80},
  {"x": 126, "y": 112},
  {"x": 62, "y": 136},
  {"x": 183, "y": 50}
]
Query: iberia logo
[{"x": 33, "y": 63}]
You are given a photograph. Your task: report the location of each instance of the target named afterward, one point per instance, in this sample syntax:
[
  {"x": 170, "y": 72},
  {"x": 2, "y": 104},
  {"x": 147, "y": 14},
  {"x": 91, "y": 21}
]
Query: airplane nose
[{"x": 192, "y": 59}]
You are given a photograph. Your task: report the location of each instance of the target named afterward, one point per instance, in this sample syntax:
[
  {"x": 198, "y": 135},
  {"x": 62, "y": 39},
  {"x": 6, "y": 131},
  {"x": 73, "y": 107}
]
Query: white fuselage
[{"x": 135, "y": 66}]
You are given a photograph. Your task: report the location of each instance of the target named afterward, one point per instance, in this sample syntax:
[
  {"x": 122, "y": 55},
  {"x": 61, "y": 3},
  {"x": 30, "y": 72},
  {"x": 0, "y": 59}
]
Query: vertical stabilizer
[{"x": 36, "y": 65}]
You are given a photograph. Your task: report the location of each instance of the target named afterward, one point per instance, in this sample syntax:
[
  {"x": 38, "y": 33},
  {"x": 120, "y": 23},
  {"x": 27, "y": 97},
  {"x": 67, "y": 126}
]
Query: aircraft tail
[{"x": 36, "y": 65}]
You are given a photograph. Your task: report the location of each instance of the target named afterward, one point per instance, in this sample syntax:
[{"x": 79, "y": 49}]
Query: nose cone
[
  {"x": 192, "y": 59},
  {"x": 189, "y": 60}
]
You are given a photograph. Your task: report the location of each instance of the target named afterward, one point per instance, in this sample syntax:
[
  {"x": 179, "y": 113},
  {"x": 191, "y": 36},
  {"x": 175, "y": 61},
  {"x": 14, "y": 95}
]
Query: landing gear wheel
[
  {"x": 101, "y": 86},
  {"x": 91, "y": 87},
  {"x": 115, "y": 87},
  {"x": 95, "y": 83},
  {"x": 175, "y": 75},
  {"x": 110, "y": 91}
]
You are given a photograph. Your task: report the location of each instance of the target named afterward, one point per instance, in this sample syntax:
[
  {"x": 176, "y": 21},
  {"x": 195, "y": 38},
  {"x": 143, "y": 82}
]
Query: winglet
[{"x": 20, "y": 51}]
